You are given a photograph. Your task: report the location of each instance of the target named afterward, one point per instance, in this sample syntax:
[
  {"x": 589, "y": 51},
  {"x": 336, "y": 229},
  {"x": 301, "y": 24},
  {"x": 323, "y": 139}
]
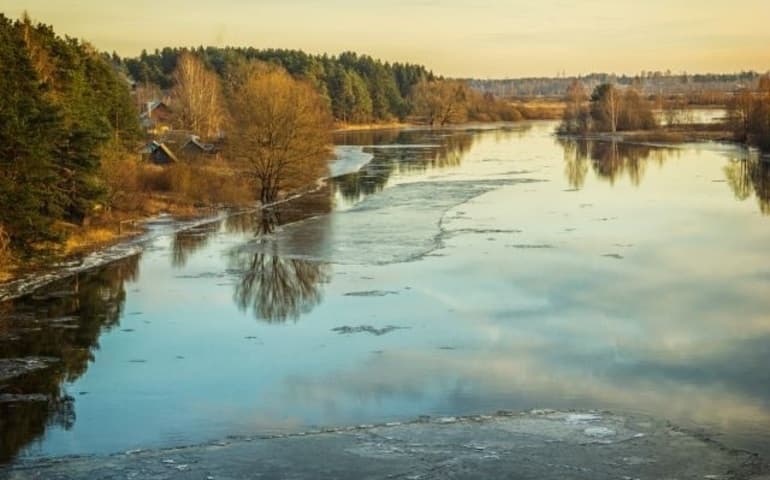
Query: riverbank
[
  {"x": 689, "y": 133},
  {"x": 354, "y": 127},
  {"x": 541, "y": 444},
  {"x": 93, "y": 247}
]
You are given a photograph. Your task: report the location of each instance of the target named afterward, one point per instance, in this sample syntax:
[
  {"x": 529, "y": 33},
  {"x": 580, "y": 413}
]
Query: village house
[
  {"x": 156, "y": 117},
  {"x": 158, "y": 153},
  {"x": 175, "y": 146}
]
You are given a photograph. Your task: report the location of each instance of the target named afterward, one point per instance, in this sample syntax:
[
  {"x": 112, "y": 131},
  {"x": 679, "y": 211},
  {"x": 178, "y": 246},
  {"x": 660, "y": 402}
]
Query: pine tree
[{"x": 30, "y": 132}]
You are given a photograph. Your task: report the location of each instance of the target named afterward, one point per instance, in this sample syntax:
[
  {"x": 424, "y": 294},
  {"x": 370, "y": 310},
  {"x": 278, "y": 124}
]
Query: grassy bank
[
  {"x": 353, "y": 127},
  {"x": 677, "y": 134}
]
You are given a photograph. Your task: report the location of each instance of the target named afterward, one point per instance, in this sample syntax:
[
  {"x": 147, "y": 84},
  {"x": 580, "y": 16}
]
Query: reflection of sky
[{"x": 674, "y": 323}]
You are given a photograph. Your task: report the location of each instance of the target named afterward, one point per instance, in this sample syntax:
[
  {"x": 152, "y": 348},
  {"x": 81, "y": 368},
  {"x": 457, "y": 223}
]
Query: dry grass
[
  {"x": 540, "y": 108},
  {"x": 678, "y": 135},
  {"x": 88, "y": 238},
  {"x": 350, "y": 127}
]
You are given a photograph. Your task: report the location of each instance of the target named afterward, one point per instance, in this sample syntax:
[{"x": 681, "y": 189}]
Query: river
[{"x": 455, "y": 272}]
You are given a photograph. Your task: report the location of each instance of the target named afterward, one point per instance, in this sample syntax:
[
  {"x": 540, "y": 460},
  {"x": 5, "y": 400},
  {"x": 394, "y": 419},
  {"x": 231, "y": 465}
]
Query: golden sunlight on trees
[
  {"x": 610, "y": 110},
  {"x": 280, "y": 130},
  {"x": 577, "y": 117},
  {"x": 748, "y": 114},
  {"x": 440, "y": 102},
  {"x": 606, "y": 106},
  {"x": 197, "y": 97}
]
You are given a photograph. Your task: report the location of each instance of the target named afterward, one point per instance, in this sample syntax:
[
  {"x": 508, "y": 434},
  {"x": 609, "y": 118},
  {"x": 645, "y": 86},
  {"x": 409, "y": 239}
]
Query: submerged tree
[{"x": 280, "y": 130}]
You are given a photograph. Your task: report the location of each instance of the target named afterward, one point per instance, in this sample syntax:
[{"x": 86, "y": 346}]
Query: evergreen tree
[{"x": 30, "y": 135}]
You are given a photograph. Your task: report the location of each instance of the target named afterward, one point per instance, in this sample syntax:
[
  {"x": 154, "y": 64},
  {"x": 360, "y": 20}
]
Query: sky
[{"x": 458, "y": 38}]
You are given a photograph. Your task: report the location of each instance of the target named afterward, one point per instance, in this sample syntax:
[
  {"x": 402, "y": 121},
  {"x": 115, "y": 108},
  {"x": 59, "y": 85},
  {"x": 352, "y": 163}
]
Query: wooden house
[
  {"x": 156, "y": 117},
  {"x": 159, "y": 153}
]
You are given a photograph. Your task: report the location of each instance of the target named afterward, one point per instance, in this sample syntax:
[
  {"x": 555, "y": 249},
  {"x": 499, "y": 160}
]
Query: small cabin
[
  {"x": 193, "y": 147},
  {"x": 156, "y": 117},
  {"x": 159, "y": 154}
]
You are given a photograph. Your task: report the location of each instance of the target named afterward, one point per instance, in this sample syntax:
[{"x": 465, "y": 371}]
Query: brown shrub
[
  {"x": 154, "y": 178},
  {"x": 5, "y": 250},
  {"x": 211, "y": 182}
]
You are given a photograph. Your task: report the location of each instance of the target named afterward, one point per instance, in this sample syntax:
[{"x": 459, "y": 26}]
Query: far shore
[
  {"x": 672, "y": 136},
  {"x": 353, "y": 127}
]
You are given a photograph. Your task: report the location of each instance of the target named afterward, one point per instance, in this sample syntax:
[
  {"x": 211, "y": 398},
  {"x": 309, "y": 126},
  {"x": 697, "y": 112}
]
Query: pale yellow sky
[{"x": 481, "y": 38}]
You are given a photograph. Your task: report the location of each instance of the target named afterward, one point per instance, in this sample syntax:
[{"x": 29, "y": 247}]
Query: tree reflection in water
[
  {"x": 610, "y": 160},
  {"x": 399, "y": 152},
  {"x": 276, "y": 288},
  {"x": 187, "y": 242},
  {"x": 62, "y": 321},
  {"x": 747, "y": 176}
]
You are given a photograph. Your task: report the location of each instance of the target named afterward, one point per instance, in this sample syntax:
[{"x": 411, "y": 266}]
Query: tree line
[
  {"x": 359, "y": 88},
  {"x": 61, "y": 105},
  {"x": 700, "y": 87}
]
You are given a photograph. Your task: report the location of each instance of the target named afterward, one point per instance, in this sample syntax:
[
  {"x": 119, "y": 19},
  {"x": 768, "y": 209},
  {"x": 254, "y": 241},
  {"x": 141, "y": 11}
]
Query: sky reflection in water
[{"x": 459, "y": 271}]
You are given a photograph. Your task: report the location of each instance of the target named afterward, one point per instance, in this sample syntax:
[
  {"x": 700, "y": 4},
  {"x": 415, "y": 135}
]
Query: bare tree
[
  {"x": 740, "y": 110},
  {"x": 197, "y": 97},
  {"x": 441, "y": 102},
  {"x": 612, "y": 107},
  {"x": 576, "y": 117},
  {"x": 606, "y": 106},
  {"x": 280, "y": 130}
]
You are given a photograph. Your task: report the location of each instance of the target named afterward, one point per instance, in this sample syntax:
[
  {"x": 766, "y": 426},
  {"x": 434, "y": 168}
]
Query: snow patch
[
  {"x": 578, "y": 418},
  {"x": 349, "y": 159}
]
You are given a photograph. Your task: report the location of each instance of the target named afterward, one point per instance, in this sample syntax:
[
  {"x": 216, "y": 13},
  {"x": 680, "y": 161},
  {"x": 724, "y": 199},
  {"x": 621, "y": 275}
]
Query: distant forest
[
  {"x": 359, "y": 87},
  {"x": 647, "y": 83}
]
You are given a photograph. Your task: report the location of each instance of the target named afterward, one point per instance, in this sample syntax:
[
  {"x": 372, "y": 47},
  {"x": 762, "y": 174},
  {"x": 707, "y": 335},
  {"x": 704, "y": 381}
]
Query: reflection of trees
[
  {"x": 279, "y": 288},
  {"x": 241, "y": 222},
  {"x": 276, "y": 288},
  {"x": 403, "y": 152},
  {"x": 575, "y": 162},
  {"x": 610, "y": 160},
  {"x": 750, "y": 175},
  {"x": 39, "y": 325},
  {"x": 187, "y": 242}
]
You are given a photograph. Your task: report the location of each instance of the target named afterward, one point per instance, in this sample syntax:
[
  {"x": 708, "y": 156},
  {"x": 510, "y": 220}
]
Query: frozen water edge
[
  {"x": 154, "y": 228},
  {"x": 402, "y": 223},
  {"x": 349, "y": 159},
  {"x": 538, "y": 444}
]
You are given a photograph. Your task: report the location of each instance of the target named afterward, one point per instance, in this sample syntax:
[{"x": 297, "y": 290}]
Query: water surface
[{"x": 458, "y": 271}]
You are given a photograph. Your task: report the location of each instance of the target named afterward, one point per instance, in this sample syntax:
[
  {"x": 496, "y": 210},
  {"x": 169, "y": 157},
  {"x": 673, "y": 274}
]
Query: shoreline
[
  {"x": 103, "y": 253},
  {"x": 361, "y": 127},
  {"x": 662, "y": 137},
  {"x": 98, "y": 254}
]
